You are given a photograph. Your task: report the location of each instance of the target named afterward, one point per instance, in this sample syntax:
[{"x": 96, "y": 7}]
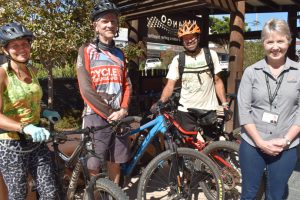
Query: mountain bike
[
  {"x": 224, "y": 153},
  {"x": 90, "y": 188},
  {"x": 177, "y": 173}
]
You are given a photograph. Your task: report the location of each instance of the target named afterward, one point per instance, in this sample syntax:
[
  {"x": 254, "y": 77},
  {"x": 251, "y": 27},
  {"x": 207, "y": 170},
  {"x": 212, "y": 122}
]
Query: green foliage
[
  {"x": 219, "y": 26},
  {"x": 70, "y": 120},
  {"x": 142, "y": 65},
  {"x": 253, "y": 52},
  {"x": 60, "y": 27},
  {"x": 67, "y": 71},
  {"x": 133, "y": 51}
]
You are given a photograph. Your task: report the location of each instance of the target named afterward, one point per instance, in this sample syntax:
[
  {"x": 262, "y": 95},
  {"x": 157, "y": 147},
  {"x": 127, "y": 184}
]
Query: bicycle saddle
[
  {"x": 204, "y": 117},
  {"x": 199, "y": 112}
]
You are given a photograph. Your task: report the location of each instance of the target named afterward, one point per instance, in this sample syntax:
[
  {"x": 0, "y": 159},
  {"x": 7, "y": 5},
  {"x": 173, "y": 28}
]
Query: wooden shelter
[{"x": 135, "y": 9}]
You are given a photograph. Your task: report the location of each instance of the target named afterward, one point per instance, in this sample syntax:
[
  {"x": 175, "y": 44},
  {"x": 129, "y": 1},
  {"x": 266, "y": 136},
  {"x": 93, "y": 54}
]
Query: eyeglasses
[{"x": 189, "y": 40}]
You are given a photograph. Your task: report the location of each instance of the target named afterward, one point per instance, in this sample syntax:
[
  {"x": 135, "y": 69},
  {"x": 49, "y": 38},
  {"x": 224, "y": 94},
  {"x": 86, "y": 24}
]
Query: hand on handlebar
[
  {"x": 51, "y": 115},
  {"x": 154, "y": 108},
  {"x": 38, "y": 134},
  {"x": 117, "y": 115}
]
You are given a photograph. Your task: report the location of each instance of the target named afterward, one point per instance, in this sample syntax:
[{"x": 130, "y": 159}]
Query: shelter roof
[{"x": 134, "y": 9}]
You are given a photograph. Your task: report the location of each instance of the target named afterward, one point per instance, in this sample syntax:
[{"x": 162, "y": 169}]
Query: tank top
[{"x": 21, "y": 101}]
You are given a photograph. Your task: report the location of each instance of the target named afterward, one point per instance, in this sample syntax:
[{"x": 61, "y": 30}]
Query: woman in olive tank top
[{"x": 22, "y": 147}]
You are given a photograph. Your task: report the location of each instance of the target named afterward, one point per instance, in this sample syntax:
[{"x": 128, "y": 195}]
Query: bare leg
[{"x": 114, "y": 171}]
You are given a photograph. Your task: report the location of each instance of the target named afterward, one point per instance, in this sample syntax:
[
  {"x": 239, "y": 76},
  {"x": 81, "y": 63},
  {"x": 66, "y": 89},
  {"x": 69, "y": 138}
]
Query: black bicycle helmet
[
  {"x": 103, "y": 6},
  {"x": 12, "y": 31}
]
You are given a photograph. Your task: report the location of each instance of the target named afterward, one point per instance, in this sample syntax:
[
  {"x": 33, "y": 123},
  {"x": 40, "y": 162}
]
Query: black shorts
[{"x": 189, "y": 123}]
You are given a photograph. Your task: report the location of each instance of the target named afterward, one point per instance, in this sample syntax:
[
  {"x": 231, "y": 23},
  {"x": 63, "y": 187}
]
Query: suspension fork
[
  {"x": 73, "y": 181},
  {"x": 174, "y": 162}
]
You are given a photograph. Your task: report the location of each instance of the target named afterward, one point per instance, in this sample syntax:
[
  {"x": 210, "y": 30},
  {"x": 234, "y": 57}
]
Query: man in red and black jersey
[{"x": 104, "y": 87}]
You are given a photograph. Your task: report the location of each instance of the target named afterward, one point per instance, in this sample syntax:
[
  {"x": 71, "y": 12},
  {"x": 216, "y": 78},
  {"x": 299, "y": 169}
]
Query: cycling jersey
[
  {"x": 21, "y": 101},
  {"x": 103, "y": 80}
]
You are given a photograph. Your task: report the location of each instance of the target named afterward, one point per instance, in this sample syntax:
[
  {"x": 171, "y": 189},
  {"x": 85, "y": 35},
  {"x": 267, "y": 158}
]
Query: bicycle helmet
[
  {"x": 103, "y": 6},
  {"x": 188, "y": 28},
  {"x": 12, "y": 31}
]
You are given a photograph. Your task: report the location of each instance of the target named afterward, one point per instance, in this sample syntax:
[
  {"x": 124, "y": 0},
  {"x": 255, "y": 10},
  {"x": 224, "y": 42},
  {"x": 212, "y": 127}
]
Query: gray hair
[{"x": 277, "y": 25}]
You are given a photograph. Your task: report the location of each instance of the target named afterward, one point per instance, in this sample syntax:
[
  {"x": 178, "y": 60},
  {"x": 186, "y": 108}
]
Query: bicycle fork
[
  {"x": 73, "y": 181},
  {"x": 174, "y": 172}
]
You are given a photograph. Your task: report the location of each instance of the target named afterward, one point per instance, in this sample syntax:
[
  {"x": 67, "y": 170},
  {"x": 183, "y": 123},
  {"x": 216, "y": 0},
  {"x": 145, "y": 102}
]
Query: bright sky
[{"x": 262, "y": 18}]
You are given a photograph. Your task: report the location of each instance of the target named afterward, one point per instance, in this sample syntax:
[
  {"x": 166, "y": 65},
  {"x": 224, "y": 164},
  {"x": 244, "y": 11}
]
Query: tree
[
  {"x": 60, "y": 28},
  {"x": 219, "y": 26}
]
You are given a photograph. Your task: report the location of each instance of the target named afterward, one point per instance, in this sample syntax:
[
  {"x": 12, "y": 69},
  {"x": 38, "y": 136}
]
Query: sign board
[{"x": 163, "y": 28}]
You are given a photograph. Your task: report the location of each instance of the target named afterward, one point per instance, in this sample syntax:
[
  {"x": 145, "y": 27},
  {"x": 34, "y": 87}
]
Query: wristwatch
[{"x": 288, "y": 142}]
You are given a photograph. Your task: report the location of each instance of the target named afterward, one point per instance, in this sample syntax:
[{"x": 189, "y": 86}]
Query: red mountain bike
[{"x": 225, "y": 152}]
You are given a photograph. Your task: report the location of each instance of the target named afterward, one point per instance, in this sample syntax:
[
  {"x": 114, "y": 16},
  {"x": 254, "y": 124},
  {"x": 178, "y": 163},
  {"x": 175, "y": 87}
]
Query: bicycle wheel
[
  {"x": 160, "y": 181},
  {"x": 106, "y": 190},
  {"x": 226, "y": 156}
]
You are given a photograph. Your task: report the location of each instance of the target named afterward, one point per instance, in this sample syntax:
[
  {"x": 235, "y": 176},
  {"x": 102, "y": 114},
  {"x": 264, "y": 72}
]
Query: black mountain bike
[{"x": 79, "y": 185}]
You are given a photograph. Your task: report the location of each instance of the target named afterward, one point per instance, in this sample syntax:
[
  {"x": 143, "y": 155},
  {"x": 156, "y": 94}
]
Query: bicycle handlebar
[{"x": 62, "y": 135}]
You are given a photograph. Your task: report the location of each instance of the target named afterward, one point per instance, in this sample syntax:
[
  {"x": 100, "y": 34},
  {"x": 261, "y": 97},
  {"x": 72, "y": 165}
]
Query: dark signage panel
[{"x": 163, "y": 28}]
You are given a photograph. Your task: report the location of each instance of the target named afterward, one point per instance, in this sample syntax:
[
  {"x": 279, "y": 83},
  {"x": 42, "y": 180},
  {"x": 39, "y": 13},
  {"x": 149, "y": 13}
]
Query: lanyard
[{"x": 272, "y": 97}]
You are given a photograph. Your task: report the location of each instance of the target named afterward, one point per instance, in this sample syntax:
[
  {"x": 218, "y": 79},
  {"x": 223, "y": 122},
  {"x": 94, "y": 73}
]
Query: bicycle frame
[
  {"x": 77, "y": 162},
  {"x": 159, "y": 125},
  {"x": 199, "y": 145}
]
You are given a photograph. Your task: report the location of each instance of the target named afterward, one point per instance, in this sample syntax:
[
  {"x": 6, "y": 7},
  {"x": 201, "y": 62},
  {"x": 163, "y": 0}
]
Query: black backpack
[{"x": 208, "y": 59}]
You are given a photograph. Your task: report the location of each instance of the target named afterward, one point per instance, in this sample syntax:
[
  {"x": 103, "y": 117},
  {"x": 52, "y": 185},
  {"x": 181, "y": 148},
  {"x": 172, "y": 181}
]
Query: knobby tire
[{"x": 190, "y": 171}]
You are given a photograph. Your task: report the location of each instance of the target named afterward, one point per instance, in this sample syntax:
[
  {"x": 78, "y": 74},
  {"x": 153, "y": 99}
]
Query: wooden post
[
  {"x": 292, "y": 21},
  {"x": 236, "y": 53},
  {"x": 204, "y": 30}
]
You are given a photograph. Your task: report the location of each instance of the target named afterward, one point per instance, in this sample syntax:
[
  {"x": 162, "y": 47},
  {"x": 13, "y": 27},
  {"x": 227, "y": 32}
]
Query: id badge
[{"x": 270, "y": 118}]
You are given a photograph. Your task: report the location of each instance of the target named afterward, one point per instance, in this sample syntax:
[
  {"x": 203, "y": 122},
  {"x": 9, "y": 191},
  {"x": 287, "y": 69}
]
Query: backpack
[{"x": 208, "y": 59}]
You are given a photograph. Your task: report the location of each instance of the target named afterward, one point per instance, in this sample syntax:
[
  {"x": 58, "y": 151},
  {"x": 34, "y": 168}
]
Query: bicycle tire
[
  {"x": 232, "y": 178},
  {"x": 106, "y": 189},
  {"x": 190, "y": 170},
  {"x": 226, "y": 153}
]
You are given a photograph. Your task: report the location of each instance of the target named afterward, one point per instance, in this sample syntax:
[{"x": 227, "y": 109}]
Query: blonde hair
[{"x": 277, "y": 25}]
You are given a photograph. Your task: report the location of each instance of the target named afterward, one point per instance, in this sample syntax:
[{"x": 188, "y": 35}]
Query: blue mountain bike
[{"x": 177, "y": 173}]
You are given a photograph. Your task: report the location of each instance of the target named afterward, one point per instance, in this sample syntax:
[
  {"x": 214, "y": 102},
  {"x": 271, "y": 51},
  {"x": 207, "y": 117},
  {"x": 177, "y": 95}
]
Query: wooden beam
[
  {"x": 139, "y": 12},
  {"x": 226, "y": 5},
  {"x": 271, "y": 4},
  {"x": 135, "y": 8},
  {"x": 297, "y": 2}
]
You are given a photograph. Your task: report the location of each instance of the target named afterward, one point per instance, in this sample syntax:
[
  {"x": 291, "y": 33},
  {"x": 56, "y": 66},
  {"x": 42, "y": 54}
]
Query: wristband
[{"x": 224, "y": 104}]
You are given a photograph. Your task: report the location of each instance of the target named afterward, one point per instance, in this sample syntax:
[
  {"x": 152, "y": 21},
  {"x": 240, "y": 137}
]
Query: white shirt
[{"x": 195, "y": 93}]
